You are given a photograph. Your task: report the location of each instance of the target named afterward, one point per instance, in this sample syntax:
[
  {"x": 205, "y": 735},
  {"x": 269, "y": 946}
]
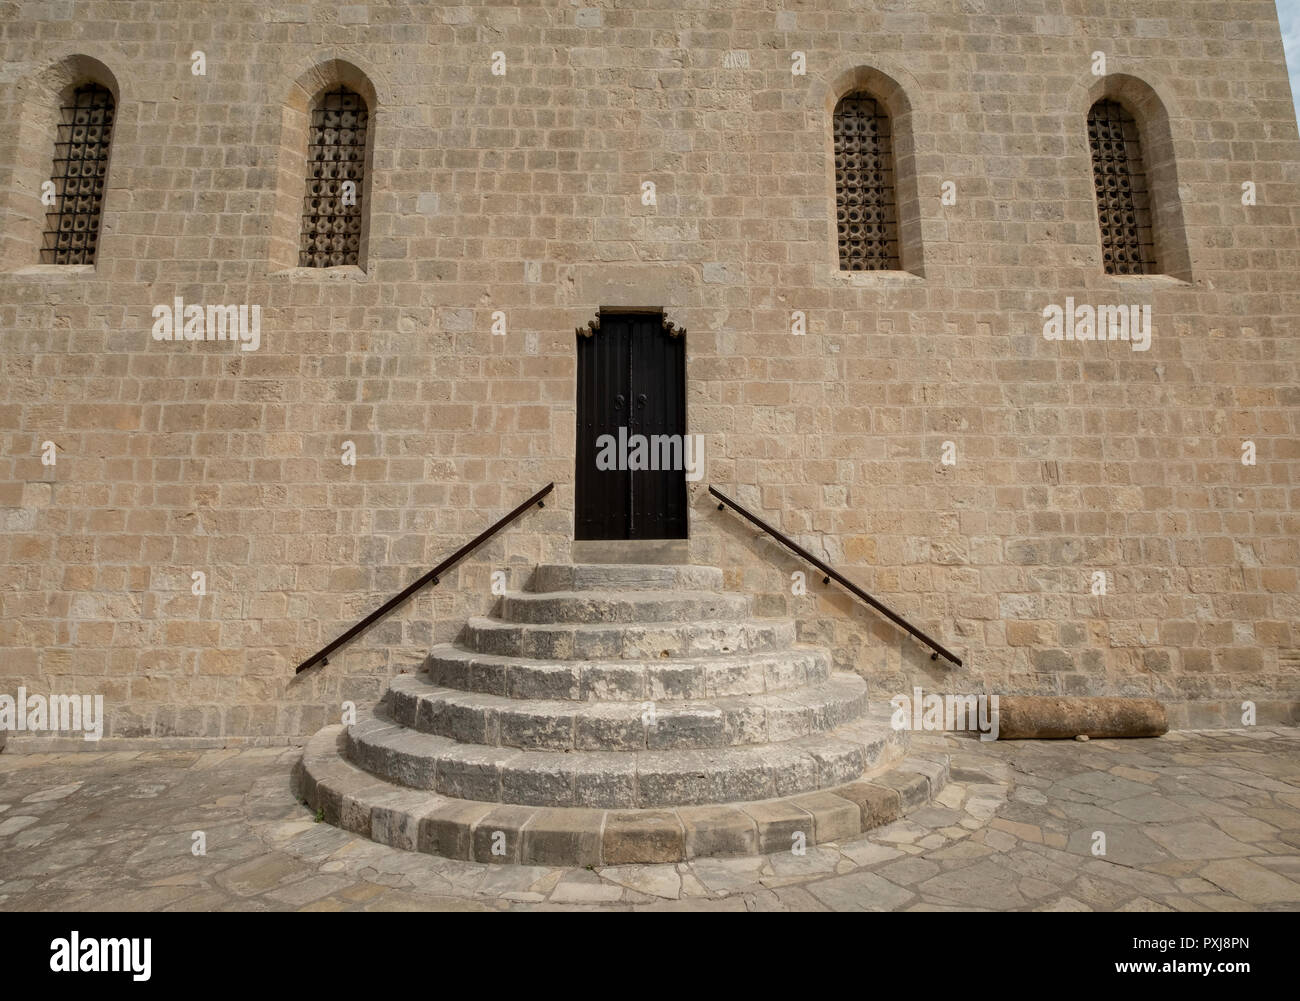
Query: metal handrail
[
  {"x": 828, "y": 574},
  {"x": 431, "y": 577}
]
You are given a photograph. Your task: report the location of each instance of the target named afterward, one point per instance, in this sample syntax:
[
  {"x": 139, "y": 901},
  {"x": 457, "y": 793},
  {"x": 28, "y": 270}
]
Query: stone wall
[{"x": 522, "y": 193}]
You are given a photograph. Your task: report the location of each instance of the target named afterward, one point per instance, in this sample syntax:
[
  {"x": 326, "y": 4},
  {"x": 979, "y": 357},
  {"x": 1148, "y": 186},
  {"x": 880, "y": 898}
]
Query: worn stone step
[
  {"x": 451, "y": 666},
  {"x": 622, "y": 779},
  {"x": 624, "y": 577},
  {"x": 625, "y": 641},
  {"x": 561, "y": 725},
  {"x": 622, "y": 607},
  {"x": 490, "y": 832}
]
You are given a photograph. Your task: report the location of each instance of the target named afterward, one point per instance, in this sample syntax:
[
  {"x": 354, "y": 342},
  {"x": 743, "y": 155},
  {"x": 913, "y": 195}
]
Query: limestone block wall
[{"x": 517, "y": 197}]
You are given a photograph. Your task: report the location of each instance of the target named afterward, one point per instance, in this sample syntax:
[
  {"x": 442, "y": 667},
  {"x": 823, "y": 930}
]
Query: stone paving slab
[{"x": 1191, "y": 821}]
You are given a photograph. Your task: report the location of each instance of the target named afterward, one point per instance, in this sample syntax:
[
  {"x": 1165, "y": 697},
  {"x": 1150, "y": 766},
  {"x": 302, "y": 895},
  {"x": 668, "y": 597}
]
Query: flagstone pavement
[{"x": 1192, "y": 821}]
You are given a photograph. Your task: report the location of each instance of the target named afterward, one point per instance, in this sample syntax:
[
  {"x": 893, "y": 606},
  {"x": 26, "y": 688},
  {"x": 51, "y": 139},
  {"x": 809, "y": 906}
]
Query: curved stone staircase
[{"x": 616, "y": 714}]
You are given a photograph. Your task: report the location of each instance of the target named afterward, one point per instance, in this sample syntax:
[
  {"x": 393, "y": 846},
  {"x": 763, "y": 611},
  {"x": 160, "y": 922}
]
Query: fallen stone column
[{"x": 1023, "y": 717}]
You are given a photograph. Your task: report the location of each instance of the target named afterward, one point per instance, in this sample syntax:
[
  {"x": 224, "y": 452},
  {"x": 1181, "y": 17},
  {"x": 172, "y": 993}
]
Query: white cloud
[{"x": 1288, "y": 15}]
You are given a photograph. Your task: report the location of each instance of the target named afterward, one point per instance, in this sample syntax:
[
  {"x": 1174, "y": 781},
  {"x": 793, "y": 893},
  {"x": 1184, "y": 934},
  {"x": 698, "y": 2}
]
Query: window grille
[
  {"x": 865, "y": 207},
  {"x": 336, "y": 152},
  {"x": 1123, "y": 200},
  {"x": 83, "y": 137}
]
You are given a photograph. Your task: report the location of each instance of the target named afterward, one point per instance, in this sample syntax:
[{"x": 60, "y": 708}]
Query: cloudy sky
[{"x": 1288, "y": 13}]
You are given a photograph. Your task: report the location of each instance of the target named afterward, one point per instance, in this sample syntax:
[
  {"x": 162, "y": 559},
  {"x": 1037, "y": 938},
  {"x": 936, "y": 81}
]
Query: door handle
[
  {"x": 618, "y": 402},
  {"x": 640, "y": 400}
]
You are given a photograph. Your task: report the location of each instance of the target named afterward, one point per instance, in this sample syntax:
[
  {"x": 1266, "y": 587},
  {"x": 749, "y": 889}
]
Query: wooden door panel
[
  {"x": 659, "y": 408},
  {"x": 631, "y": 381}
]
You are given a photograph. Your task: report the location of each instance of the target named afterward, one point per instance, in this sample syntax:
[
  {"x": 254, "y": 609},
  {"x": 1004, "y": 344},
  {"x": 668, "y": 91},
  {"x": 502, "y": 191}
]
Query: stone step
[
  {"x": 564, "y": 641},
  {"x": 451, "y": 666},
  {"x": 624, "y": 577},
  {"x": 490, "y": 832},
  {"x": 622, "y": 779},
  {"x": 622, "y": 607},
  {"x": 730, "y": 721}
]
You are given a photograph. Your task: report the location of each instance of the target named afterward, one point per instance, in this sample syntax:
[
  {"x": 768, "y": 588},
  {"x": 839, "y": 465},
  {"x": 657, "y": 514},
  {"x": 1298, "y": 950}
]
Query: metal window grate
[
  {"x": 865, "y": 210},
  {"x": 83, "y": 137},
  {"x": 336, "y": 152},
  {"x": 1123, "y": 200}
]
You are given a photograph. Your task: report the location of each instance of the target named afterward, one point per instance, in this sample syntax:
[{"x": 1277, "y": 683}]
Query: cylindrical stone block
[{"x": 1049, "y": 716}]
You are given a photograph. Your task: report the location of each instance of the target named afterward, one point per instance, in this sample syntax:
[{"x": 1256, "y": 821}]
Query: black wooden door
[{"x": 631, "y": 382}]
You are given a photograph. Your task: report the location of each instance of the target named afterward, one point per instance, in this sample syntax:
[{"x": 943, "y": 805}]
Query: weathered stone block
[
  {"x": 684, "y": 726},
  {"x": 913, "y": 789},
  {"x": 610, "y": 731},
  {"x": 777, "y": 823},
  {"x": 544, "y": 681},
  {"x": 718, "y": 830},
  {"x": 355, "y": 806},
  {"x": 563, "y": 837},
  {"x": 395, "y": 818},
  {"x": 541, "y": 779},
  {"x": 537, "y": 729},
  {"x": 646, "y": 836},
  {"x": 878, "y": 804},
  {"x": 834, "y": 818},
  {"x": 610, "y": 782},
  {"x": 498, "y": 835},
  {"x": 448, "y": 830},
  {"x": 469, "y": 773}
]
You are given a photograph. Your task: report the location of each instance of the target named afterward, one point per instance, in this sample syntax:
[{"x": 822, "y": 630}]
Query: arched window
[
  {"x": 1123, "y": 195},
  {"x": 336, "y": 157},
  {"x": 866, "y": 209},
  {"x": 82, "y": 141}
]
